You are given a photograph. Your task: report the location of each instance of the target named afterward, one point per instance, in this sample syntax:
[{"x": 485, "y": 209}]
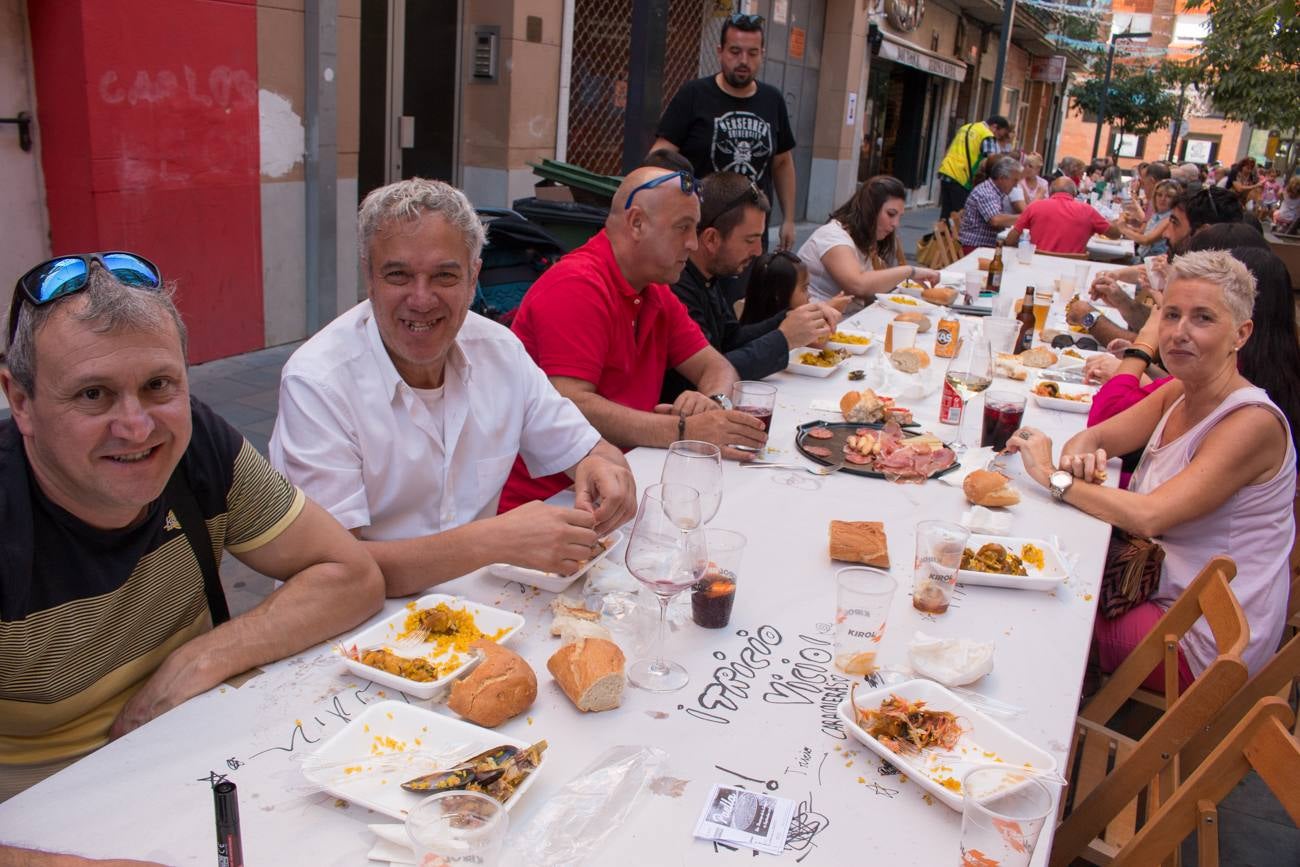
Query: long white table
[{"x": 759, "y": 710}]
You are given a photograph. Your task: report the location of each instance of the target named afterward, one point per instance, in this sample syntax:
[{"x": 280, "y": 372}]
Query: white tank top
[{"x": 1255, "y": 527}]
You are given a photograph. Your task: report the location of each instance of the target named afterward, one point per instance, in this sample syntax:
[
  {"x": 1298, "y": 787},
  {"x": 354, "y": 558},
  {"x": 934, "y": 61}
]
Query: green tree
[
  {"x": 1137, "y": 101},
  {"x": 1250, "y": 60}
]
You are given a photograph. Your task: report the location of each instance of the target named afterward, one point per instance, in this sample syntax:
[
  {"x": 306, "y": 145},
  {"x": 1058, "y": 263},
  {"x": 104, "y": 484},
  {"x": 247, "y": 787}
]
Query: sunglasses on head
[
  {"x": 68, "y": 275},
  {"x": 688, "y": 182},
  {"x": 1085, "y": 342},
  {"x": 751, "y": 194},
  {"x": 744, "y": 20}
]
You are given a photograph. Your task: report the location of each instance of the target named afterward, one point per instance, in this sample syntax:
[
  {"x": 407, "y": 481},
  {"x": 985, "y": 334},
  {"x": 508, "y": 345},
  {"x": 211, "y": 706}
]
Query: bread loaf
[
  {"x": 941, "y": 295},
  {"x": 590, "y": 671},
  {"x": 909, "y": 360},
  {"x": 987, "y": 488},
  {"x": 1039, "y": 356},
  {"x": 862, "y": 407},
  {"x": 922, "y": 321},
  {"x": 860, "y": 542},
  {"x": 500, "y": 688}
]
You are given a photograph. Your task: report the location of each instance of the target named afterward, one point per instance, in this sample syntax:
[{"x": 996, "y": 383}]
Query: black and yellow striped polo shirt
[{"x": 86, "y": 615}]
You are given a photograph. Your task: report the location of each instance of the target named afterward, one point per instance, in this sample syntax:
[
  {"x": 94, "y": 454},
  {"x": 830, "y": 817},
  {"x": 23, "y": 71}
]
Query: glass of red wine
[
  {"x": 755, "y": 398},
  {"x": 1003, "y": 413}
]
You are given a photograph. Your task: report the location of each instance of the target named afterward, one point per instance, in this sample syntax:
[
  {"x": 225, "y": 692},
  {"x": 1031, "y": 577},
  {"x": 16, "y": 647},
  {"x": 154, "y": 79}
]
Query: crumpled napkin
[
  {"x": 391, "y": 845},
  {"x": 981, "y": 520},
  {"x": 950, "y": 661}
]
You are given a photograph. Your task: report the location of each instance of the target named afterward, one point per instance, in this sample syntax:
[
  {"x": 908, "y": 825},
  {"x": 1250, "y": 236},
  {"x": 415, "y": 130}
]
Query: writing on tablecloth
[
  {"x": 805, "y": 823},
  {"x": 802, "y": 676}
]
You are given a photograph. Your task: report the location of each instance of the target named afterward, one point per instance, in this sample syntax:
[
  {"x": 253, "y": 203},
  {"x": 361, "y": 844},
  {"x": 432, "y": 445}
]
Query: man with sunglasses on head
[
  {"x": 732, "y": 122},
  {"x": 404, "y": 415},
  {"x": 119, "y": 492},
  {"x": 605, "y": 327},
  {"x": 732, "y": 214}
]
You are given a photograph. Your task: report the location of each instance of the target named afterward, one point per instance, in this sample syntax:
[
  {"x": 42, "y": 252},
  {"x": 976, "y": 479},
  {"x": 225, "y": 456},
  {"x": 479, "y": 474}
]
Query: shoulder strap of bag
[{"x": 181, "y": 500}]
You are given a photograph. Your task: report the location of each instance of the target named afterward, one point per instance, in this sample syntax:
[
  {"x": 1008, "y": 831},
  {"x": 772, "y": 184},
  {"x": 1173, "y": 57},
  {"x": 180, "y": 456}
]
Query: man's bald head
[
  {"x": 1064, "y": 185},
  {"x": 652, "y": 229}
]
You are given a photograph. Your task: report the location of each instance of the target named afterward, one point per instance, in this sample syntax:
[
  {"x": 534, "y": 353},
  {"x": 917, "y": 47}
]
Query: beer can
[
  {"x": 950, "y": 405},
  {"x": 946, "y": 336}
]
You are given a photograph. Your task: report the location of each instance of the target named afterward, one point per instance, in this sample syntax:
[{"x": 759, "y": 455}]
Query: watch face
[{"x": 1061, "y": 479}]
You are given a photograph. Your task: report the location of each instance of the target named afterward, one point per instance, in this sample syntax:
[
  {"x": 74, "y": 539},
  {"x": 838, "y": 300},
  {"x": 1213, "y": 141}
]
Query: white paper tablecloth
[{"x": 759, "y": 710}]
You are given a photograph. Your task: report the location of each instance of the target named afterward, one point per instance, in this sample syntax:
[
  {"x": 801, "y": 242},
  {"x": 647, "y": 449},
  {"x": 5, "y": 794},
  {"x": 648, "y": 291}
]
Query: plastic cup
[
  {"x": 1025, "y": 253},
  {"x": 939, "y": 546},
  {"x": 904, "y": 335},
  {"x": 1003, "y": 812},
  {"x": 756, "y": 398},
  {"x": 1003, "y": 413},
  {"x": 1081, "y": 272},
  {"x": 1001, "y": 333},
  {"x": 1002, "y": 303},
  {"x": 1155, "y": 278},
  {"x": 1042, "y": 304},
  {"x": 974, "y": 285},
  {"x": 457, "y": 828},
  {"x": 862, "y": 599},
  {"x": 713, "y": 595}
]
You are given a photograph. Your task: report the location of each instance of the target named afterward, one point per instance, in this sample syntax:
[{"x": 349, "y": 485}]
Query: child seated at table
[{"x": 777, "y": 281}]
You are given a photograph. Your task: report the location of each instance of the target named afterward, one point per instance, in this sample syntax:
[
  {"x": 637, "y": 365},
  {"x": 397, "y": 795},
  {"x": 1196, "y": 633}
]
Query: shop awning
[{"x": 901, "y": 51}]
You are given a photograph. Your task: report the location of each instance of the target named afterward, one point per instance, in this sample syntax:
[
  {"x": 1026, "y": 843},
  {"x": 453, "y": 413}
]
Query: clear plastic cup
[
  {"x": 1003, "y": 812},
  {"x": 1025, "y": 253},
  {"x": 939, "y": 546},
  {"x": 457, "y": 827},
  {"x": 756, "y": 398},
  {"x": 862, "y": 599},
  {"x": 713, "y": 595},
  {"x": 1001, "y": 333},
  {"x": 1081, "y": 272},
  {"x": 974, "y": 285},
  {"x": 904, "y": 335}
]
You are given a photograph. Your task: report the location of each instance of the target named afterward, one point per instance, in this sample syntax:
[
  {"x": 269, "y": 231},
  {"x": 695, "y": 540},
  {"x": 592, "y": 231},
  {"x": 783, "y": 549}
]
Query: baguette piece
[
  {"x": 590, "y": 671},
  {"x": 1039, "y": 356},
  {"x": 941, "y": 295},
  {"x": 1006, "y": 364},
  {"x": 987, "y": 488},
  {"x": 862, "y": 407},
  {"x": 500, "y": 688},
  {"x": 859, "y": 542},
  {"x": 909, "y": 360},
  {"x": 567, "y": 611},
  {"x": 922, "y": 321}
]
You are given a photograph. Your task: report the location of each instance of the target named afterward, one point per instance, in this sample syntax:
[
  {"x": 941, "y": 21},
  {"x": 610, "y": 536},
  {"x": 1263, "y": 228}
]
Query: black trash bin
[{"x": 572, "y": 223}]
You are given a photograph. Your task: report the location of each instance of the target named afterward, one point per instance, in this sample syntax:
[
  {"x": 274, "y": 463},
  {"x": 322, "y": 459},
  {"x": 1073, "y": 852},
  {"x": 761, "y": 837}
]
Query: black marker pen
[{"x": 230, "y": 850}]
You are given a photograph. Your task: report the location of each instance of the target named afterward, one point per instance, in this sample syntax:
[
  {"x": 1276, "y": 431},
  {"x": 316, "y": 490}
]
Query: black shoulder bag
[{"x": 181, "y": 500}]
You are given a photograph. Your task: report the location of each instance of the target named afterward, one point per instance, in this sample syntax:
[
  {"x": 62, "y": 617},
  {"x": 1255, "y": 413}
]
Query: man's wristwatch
[
  {"x": 1089, "y": 319},
  {"x": 721, "y": 400},
  {"x": 1059, "y": 482}
]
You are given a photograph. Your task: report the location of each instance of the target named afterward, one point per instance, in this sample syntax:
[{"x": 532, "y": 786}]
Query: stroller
[{"x": 517, "y": 252}]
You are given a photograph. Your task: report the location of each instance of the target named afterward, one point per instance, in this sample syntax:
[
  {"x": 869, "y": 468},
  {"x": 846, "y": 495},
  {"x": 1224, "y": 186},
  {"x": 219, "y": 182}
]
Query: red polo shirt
[
  {"x": 1059, "y": 224},
  {"x": 582, "y": 319}
]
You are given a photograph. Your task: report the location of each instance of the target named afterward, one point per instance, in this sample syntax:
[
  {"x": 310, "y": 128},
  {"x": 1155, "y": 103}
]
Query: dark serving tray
[{"x": 841, "y": 430}]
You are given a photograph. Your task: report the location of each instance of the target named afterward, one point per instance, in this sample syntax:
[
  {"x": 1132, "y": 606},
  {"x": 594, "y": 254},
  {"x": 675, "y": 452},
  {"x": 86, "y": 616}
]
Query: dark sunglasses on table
[
  {"x": 1084, "y": 342},
  {"x": 688, "y": 182},
  {"x": 67, "y": 275},
  {"x": 751, "y": 195}
]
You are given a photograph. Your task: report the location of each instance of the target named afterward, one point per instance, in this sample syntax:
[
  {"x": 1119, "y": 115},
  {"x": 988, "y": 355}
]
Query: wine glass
[
  {"x": 969, "y": 373},
  {"x": 696, "y": 465},
  {"x": 667, "y": 552}
]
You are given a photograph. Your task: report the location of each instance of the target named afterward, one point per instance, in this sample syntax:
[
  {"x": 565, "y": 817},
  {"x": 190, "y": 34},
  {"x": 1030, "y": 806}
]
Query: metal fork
[{"x": 815, "y": 470}]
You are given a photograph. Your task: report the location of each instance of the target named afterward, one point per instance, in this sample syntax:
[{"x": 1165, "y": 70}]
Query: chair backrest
[
  {"x": 1260, "y": 741},
  {"x": 900, "y": 255},
  {"x": 949, "y": 250},
  {"x": 1064, "y": 255},
  {"x": 1108, "y": 772}
]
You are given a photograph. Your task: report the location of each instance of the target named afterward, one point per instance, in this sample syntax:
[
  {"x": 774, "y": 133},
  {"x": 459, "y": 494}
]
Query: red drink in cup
[
  {"x": 756, "y": 399},
  {"x": 1003, "y": 413},
  {"x": 763, "y": 414}
]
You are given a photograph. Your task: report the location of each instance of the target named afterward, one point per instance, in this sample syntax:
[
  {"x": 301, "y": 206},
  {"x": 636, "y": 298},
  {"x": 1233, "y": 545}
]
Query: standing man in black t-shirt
[{"x": 732, "y": 122}]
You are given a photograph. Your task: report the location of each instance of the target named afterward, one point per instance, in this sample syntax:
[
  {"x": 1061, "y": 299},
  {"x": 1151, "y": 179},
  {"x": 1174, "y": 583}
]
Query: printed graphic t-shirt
[{"x": 718, "y": 132}]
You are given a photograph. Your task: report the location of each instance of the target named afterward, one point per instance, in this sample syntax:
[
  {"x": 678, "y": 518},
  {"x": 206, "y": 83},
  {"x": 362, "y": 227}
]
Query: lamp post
[{"x": 1105, "y": 85}]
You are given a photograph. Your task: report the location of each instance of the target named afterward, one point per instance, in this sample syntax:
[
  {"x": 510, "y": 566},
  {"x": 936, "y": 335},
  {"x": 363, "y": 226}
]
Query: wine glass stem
[{"x": 660, "y": 665}]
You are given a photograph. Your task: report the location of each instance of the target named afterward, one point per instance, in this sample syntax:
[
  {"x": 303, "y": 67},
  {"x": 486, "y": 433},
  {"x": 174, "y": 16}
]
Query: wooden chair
[
  {"x": 949, "y": 250},
  {"x": 900, "y": 255},
  {"x": 1260, "y": 742},
  {"x": 1064, "y": 255},
  {"x": 1115, "y": 780}
]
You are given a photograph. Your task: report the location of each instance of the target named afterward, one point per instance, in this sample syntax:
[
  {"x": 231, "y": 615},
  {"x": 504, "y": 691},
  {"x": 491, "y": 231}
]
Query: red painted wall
[{"x": 149, "y": 137}]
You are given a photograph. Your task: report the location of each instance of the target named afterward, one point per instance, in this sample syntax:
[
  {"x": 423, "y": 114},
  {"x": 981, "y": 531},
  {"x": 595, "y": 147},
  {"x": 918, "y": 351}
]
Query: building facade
[{"x": 231, "y": 141}]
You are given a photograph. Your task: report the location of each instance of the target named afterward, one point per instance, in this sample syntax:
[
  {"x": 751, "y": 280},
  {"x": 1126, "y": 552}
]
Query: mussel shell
[{"x": 483, "y": 769}]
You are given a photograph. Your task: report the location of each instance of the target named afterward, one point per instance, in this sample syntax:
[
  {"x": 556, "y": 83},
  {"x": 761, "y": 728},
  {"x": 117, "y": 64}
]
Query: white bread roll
[
  {"x": 941, "y": 295},
  {"x": 909, "y": 360},
  {"x": 500, "y": 688},
  {"x": 987, "y": 488},
  {"x": 1039, "y": 356},
  {"x": 862, "y": 407},
  {"x": 590, "y": 672}
]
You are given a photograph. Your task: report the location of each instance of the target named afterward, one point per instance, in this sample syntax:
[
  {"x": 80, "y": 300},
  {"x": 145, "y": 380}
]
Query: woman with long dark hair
[{"x": 855, "y": 252}]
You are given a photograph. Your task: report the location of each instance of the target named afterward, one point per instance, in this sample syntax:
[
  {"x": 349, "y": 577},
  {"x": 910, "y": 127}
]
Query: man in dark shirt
[
  {"x": 733, "y": 122},
  {"x": 732, "y": 215}
]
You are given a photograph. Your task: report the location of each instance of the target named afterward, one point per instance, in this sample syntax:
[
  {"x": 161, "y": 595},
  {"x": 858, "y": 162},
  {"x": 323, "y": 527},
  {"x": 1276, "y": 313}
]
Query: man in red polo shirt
[
  {"x": 1060, "y": 223},
  {"x": 605, "y": 326}
]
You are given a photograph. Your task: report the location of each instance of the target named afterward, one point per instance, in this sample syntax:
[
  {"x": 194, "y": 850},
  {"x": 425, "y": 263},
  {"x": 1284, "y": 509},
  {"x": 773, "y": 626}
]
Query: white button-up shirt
[{"x": 363, "y": 444}]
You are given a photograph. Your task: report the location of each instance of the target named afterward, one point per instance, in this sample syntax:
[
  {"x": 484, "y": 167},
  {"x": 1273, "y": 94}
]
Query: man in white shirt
[{"x": 403, "y": 416}]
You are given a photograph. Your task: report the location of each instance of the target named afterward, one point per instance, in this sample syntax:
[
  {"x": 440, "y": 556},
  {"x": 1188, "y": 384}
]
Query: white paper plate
[
  {"x": 1047, "y": 578},
  {"x": 854, "y": 348},
  {"x": 795, "y": 366},
  {"x": 488, "y": 620},
  {"x": 889, "y": 302},
  {"x": 985, "y": 742},
  {"x": 549, "y": 580},
  {"x": 348, "y": 767}
]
